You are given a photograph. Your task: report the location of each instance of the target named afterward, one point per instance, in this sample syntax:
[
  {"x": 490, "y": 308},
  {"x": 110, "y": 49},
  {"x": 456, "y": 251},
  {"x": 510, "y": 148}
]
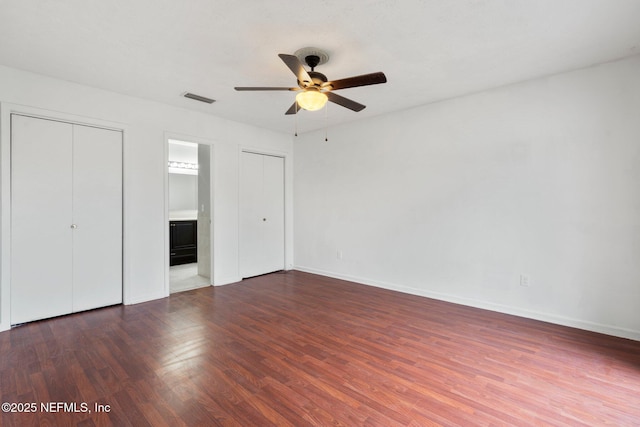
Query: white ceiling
[{"x": 430, "y": 50}]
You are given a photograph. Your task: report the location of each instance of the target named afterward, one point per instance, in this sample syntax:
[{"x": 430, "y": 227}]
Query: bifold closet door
[
  {"x": 273, "y": 210},
  {"x": 261, "y": 214},
  {"x": 41, "y": 203},
  {"x": 97, "y": 215},
  {"x": 66, "y": 218}
]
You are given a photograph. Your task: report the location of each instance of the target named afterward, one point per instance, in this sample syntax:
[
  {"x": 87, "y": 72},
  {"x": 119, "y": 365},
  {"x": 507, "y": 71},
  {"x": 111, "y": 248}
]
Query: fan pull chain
[
  {"x": 326, "y": 121},
  {"x": 296, "y": 134}
]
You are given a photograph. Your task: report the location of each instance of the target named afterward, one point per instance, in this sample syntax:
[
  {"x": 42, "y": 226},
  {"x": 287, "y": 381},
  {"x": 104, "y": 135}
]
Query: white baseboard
[
  {"x": 486, "y": 305},
  {"x": 4, "y": 327},
  {"x": 143, "y": 298},
  {"x": 227, "y": 281}
]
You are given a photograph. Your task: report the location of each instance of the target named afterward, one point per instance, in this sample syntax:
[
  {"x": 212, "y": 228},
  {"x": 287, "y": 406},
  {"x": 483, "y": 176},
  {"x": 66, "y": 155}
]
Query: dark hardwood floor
[{"x": 296, "y": 349}]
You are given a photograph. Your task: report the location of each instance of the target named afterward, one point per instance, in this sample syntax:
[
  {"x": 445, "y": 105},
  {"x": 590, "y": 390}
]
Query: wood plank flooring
[{"x": 296, "y": 349}]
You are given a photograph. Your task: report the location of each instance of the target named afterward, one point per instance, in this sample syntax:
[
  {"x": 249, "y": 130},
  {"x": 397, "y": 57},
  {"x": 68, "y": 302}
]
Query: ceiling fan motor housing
[{"x": 317, "y": 78}]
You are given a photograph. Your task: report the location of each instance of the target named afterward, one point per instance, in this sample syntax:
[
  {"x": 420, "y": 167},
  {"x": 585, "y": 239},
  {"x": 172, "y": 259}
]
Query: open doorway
[{"x": 189, "y": 198}]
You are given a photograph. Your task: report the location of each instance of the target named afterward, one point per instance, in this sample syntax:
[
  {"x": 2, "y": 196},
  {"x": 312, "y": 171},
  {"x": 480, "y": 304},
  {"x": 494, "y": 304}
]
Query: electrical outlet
[
  {"x": 525, "y": 280},
  {"x": 339, "y": 255}
]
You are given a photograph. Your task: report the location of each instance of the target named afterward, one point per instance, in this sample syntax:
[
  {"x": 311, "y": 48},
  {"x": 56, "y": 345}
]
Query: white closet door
[
  {"x": 41, "y": 234},
  {"x": 97, "y": 215},
  {"x": 251, "y": 215},
  {"x": 273, "y": 208},
  {"x": 261, "y": 214}
]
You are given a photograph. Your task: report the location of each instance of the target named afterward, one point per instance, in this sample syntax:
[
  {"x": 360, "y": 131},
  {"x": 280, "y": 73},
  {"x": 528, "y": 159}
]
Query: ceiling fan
[{"x": 314, "y": 90}]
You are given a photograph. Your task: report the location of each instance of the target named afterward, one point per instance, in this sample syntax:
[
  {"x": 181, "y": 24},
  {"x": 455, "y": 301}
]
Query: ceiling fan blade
[
  {"x": 345, "y": 102},
  {"x": 296, "y": 66},
  {"x": 265, "y": 88},
  {"x": 293, "y": 109},
  {"x": 363, "y": 80}
]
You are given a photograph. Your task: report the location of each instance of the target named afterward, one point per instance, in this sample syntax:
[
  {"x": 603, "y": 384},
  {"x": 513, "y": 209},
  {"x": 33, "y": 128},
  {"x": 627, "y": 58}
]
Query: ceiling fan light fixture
[
  {"x": 314, "y": 89},
  {"x": 311, "y": 99}
]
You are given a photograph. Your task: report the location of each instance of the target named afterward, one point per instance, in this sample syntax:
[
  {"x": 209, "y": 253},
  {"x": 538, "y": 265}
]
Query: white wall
[
  {"x": 145, "y": 125},
  {"x": 456, "y": 200},
  {"x": 180, "y": 151},
  {"x": 203, "y": 209},
  {"x": 183, "y": 193}
]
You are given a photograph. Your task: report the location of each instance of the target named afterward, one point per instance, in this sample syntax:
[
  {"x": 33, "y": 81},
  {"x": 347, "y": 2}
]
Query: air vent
[{"x": 199, "y": 98}]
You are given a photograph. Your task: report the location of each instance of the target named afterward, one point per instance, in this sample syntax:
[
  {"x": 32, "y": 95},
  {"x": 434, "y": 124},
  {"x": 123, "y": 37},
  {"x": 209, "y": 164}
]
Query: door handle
[{"x": 74, "y": 226}]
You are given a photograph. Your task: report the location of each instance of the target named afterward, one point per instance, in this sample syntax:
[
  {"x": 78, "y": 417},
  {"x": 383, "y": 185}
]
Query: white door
[
  {"x": 261, "y": 214},
  {"x": 41, "y": 234},
  {"x": 66, "y": 214},
  {"x": 273, "y": 210},
  {"x": 251, "y": 241},
  {"x": 97, "y": 215}
]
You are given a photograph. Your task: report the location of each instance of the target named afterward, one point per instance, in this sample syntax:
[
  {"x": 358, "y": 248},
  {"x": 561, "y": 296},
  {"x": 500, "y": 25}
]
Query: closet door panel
[
  {"x": 251, "y": 215},
  {"x": 97, "y": 214},
  {"x": 41, "y": 234},
  {"x": 273, "y": 208}
]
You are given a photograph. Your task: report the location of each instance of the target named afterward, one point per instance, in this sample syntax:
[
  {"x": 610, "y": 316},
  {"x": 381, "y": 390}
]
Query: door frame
[
  {"x": 6, "y": 110},
  {"x": 195, "y": 140}
]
